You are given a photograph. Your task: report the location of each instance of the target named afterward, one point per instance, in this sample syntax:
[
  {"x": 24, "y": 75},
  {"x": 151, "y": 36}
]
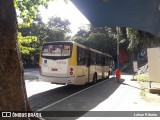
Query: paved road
[
  {"x": 107, "y": 95},
  {"x": 31, "y": 74},
  {"x": 41, "y": 94}
]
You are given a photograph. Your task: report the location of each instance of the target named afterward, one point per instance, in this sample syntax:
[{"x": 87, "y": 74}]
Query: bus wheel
[
  {"x": 94, "y": 78},
  {"x": 108, "y": 75}
]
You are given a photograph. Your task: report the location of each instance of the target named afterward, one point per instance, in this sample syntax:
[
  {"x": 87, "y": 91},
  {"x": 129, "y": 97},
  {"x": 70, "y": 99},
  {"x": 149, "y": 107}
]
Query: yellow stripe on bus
[{"x": 73, "y": 59}]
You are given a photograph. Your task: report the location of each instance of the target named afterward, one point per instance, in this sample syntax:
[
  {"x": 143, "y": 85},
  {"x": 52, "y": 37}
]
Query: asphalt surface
[{"x": 43, "y": 99}]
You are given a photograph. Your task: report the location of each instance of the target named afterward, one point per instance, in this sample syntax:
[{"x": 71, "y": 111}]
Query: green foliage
[
  {"x": 134, "y": 39},
  {"x": 80, "y": 39},
  {"x": 29, "y": 8},
  {"x": 81, "y": 33},
  {"x": 16, "y": 4},
  {"x": 36, "y": 28},
  {"x": 97, "y": 39},
  {"x": 27, "y": 44},
  {"x": 142, "y": 77},
  {"x": 55, "y": 35},
  {"x": 58, "y": 23},
  {"x": 102, "y": 42},
  {"x": 43, "y": 32},
  {"x": 140, "y": 39}
]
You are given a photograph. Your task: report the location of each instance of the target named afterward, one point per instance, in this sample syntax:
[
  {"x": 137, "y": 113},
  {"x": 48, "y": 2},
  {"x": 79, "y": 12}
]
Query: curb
[
  {"x": 29, "y": 70},
  {"x": 154, "y": 90}
]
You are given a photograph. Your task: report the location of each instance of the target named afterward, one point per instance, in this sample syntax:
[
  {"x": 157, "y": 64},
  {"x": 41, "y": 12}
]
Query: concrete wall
[{"x": 154, "y": 64}]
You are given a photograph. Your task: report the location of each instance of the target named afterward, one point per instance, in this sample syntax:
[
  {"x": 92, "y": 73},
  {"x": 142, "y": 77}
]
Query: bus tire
[
  {"x": 108, "y": 75},
  {"x": 94, "y": 78}
]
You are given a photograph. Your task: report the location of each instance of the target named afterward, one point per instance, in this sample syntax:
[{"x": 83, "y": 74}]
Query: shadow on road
[
  {"x": 132, "y": 86},
  {"x": 43, "y": 99},
  {"x": 84, "y": 101}
]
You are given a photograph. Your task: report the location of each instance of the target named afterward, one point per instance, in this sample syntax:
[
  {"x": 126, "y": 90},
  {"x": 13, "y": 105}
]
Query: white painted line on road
[{"x": 69, "y": 96}]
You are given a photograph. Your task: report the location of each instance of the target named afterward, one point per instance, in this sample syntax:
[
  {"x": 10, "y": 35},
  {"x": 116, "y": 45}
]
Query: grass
[
  {"x": 142, "y": 77},
  {"x": 142, "y": 93}
]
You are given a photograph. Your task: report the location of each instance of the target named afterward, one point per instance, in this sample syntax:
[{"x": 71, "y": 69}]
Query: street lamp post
[
  {"x": 119, "y": 42},
  {"x": 118, "y": 72},
  {"x": 118, "y": 38}
]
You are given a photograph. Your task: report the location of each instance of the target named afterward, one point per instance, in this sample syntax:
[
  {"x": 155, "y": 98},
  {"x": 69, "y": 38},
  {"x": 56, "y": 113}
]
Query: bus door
[
  {"x": 88, "y": 59},
  {"x": 103, "y": 66}
]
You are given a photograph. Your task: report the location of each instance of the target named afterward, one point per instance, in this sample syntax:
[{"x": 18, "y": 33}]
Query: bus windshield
[{"x": 56, "y": 50}]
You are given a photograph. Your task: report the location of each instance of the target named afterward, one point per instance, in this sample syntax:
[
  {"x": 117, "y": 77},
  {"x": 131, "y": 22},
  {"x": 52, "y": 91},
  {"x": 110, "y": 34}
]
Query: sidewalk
[
  {"x": 148, "y": 96},
  {"x": 145, "y": 91},
  {"x": 31, "y": 73}
]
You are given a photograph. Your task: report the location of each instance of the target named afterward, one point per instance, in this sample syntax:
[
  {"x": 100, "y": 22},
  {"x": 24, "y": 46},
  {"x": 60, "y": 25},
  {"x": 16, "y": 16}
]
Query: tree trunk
[{"x": 13, "y": 95}]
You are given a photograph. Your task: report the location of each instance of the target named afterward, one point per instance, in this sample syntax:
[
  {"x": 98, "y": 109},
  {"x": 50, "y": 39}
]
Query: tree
[
  {"x": 79, "y": 39},
  {"x": 55, "y": 35},
  {"x": 29, "y": 8},
  {"x": 11, "y": 71},
  {"x": 57, "y": 29},
  {"x": 58, "y": 23},
  {"x": 81, "y": 33},
  {"x": 27, "y": 44},
  {"x": 53, "y": 31},
  {"x": 102, "y": 42},
  {"x": 12, "y": 85},
  {"x": 97, "y": 39},
  {"x": 137, "y": 40},
  {"x": 31, "y": 37},
  {"x": 30, "y": 50},
  {"x": 36, "y": 28}
]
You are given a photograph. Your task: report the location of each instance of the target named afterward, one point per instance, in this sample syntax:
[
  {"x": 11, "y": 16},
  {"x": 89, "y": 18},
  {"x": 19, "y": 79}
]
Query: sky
[{"x": 66, "y": 11}]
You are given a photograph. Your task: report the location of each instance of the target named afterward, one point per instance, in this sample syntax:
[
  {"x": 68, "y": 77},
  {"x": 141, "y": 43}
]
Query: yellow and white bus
[{"x": 72, "y": 63}]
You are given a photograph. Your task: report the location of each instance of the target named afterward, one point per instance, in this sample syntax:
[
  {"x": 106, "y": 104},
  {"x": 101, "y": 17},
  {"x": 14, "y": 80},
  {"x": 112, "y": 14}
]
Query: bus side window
[
  {"x": 110, "y": 61},
  {"x": 98, "y": 59},
  {"x": 87, "y": 58},
  {"x": 106, "y": 61},
  {"x": 103, "y": 61},
  {"x": 80, "y": 56},
  {"x": 93, "y": 58}
]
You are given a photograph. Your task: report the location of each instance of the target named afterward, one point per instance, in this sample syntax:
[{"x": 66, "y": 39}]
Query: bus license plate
[
  {"x": 54, "y": 69},
  {"x": 44, "y": 64}
]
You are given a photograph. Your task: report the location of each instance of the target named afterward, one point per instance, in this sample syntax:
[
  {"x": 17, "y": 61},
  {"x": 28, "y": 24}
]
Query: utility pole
[
  {"x": 118, "y": 39},
  {"x": 118, "y": 72}
]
